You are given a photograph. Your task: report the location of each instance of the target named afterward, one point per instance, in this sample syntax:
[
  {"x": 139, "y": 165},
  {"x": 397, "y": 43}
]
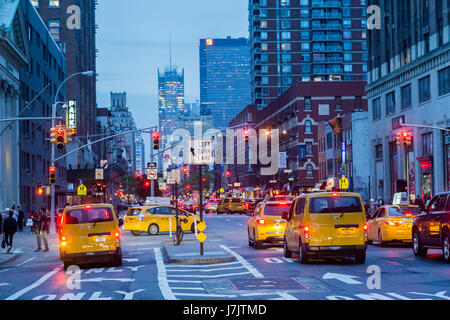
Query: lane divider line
[
  {"x": 205, "y": 270},
  {"x": 39, "y": 282},
  {"x": 21, "y": 264},
  {"x": 249, "y": 267},
  {"x": 162, "y": 277},
  {"x": 201, "y": 265}
]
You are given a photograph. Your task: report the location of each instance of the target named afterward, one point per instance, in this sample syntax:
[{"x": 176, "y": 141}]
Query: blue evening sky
[{"x": 133, "y": 42}]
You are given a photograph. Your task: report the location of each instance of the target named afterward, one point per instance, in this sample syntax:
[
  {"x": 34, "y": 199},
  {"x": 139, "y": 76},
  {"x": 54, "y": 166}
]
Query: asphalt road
[{"x": 254, "y": 275}]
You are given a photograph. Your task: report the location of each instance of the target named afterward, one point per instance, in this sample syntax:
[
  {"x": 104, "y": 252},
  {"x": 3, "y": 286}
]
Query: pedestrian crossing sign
[
  {"x": 82, "y": 190},
  {"x": 201, "y": 237}
]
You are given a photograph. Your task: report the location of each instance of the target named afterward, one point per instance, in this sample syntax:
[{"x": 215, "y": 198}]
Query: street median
[{"x": 188, "y": 252}]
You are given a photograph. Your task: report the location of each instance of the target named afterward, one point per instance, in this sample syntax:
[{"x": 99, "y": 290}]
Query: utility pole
[{"x": 200, "y": 178}]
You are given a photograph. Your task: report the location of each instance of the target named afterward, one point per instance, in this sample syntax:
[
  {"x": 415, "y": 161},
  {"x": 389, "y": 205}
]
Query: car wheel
[
  {"x": 360, "y": 256},
  {"x": 302, "y": 254},
  {"x": 258, "y": 244},
  {"x": 286, "y": 251},
  {"x": 135, "y": 233},
  {"x": 153, "y": 229},
  {"x": 381, "y": 243},
  {"x": 369, "y": 241},
  {"x": 446, "y": 247},
  {"x": 418, "y": 247}
]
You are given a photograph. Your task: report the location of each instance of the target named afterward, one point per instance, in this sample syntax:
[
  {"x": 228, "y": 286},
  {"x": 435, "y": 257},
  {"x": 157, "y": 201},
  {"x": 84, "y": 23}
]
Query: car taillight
[
  {"x": 117, "y": 237},
  {"x": 88, "y": 206},
  {"x": 335, "y": 194},
  {"x": 408, "y": 214},
  {"x": 306, "y": 231},
  {"x": 366, "y": 228},
  {"x": 392, "y": 223},
  {"x": 260, "y": 221}
]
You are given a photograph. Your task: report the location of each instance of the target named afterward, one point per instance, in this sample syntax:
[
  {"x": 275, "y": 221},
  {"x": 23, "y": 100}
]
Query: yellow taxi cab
[
  {"x": 90, "y": 233},
  {"x": 155, "y": 219},
  {"x": 232, "y": 205},
  {"x": 392, "y": 223},
  {"x": 328, "y": 224},
  {"x": 266, "y": 224}
]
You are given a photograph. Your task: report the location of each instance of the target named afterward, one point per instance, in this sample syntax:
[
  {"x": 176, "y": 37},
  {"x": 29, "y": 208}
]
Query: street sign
[
  {"x": 99, "y": 174},
  {"x": 344, "y": 183},
  {"x": 282, "y": 160},
  {"x": 201, "y": 226},
  {"x": 176, "y": 175},
  {"x": 344, "y": 152},
  {"x": 151, "y": 165},
  {"x": 170, "y": 179},
  {"x": 201, "y": 237},
  {"x": 82, "y": 190},
  {"x": 71, "y": 120},
  {"x": 152, "y": 174},
  {"x": 200, "y": 152},
  {"x": 222, "y": 190}
]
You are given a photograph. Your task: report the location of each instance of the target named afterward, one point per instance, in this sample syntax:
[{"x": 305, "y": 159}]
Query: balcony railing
[
  {"x": 325, "y": 15},
  {"x": 328, "y": 49},
  {"x": 327, "y": 26},
  {"x": 327, "y": 37},
  {"x": 325, "y": 4}
]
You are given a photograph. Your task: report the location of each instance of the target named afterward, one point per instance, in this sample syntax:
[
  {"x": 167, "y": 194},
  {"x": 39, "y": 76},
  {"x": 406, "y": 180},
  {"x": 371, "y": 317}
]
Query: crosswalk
[{"x": 209, "y": 281}]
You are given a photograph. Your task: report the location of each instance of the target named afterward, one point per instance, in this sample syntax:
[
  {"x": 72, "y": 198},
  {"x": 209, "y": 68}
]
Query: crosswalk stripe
[
  {"x": 207, "y": 270},
  {"x": 207, "y": 276},
  {"x": 185, "y": 288},
  {"x": 200, "y": 265}
]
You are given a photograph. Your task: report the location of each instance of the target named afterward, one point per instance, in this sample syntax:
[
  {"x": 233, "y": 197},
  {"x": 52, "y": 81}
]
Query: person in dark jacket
[
  {"x": 43, "y": 229},
  {"x": 21, "y": 219},
  {"x": 9, "y": 228},
  {"x": 1, "y": 226}
]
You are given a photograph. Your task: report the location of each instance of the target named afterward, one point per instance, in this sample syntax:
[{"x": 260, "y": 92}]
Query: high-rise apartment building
[
  {"x": 224, "y": 78},
  {"x": 409, "y": 82},
  {"x": 171, "y": 100},
  {"x": 72, "y": 25},
  {"x": 305, "y": 40}
]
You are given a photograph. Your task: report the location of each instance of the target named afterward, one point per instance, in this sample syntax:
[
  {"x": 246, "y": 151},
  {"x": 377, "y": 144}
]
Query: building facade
[
  {"x": 409, "y": 82},
  {"x": 38, "y": 84},
  {"x": 13, "y": 57},
  {"x": 224, "y": 78},
  {"x": 170, "y": 101},
  {"x": 72, "y": 26},
  {"x": 305, "y": 40}
]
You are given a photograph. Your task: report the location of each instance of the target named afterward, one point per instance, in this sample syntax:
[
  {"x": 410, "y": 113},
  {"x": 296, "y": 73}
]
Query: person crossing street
[
  {"x": 43, "y": 229},
  {"x": 9, "y": 229}
]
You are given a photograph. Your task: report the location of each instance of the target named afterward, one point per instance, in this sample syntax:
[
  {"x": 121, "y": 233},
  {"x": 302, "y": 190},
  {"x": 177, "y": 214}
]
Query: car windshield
[
  {"x": 401, "y": 211},
  {"x": 133, "y": 212},
  {"x": 335, "y": 205},
  {"x": 91, "y": 215},
  {"x": 276, "y": 209}
]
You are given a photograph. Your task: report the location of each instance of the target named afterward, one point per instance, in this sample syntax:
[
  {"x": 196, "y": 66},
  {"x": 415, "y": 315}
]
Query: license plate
[
  {"x": 100, "y": 239},
  {"x": 335, "y": 248}
]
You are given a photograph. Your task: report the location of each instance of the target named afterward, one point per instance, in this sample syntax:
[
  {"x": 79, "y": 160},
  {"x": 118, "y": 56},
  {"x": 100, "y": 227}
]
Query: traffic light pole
[
  {"x": 200, "y": 178},
  {"x": 152, "y": 181}
]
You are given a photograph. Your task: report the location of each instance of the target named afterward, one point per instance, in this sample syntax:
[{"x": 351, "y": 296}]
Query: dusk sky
[{"x": 133, "y": 42}]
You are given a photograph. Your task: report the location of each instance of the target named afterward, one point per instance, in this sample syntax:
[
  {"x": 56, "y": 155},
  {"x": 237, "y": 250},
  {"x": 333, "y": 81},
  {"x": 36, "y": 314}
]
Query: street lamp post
[{"x": 52, "y": 208}]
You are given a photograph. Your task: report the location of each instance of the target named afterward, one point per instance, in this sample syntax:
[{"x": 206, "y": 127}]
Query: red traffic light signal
[
  {"x": 228, "y": 173},
  {"x": 156, "y": 135},
  {"x": 185, "y": 170},
  {"x": 188, "y": 187},
  {"x": 246, "y": 132},
  {"x": 52, "y": 175},
  {"x": 60, "y": 132},
  {"x": 155, "y": 140},
  {"x": 147, "y": 184},
  {"x": 203, "y": 179},
  {"x": 138, "y": 176}
]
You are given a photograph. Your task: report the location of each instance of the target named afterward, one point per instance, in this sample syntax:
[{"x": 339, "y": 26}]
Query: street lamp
[{"x": 84, "y": 73}]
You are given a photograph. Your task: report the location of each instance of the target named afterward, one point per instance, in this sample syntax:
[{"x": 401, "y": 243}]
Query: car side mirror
[
  {"x": 120, "y": 222},
  {"x": 285, "y": 216}
]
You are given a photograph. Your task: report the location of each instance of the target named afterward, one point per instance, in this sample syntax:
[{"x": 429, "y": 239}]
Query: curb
[
  {"x": 13, "y": 257},
  {"x": 193, "y": 260}
]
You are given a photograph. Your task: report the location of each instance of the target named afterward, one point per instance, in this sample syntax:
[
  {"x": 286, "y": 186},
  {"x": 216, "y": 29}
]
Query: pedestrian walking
[
  {"x": 43, "y": 229},
  {"x": 9, "y": 229},
  {"x": 1, "y": 225},
  {"x": 15, "y": 213},
  {"x": 21, "y": 218}
]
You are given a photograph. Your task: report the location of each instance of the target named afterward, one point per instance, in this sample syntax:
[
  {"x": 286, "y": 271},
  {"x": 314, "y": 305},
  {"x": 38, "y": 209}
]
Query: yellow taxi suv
[
  {"x": 156, "y": 219},
  {"x": 266, "y": 224},
  {"x": 392, "y": 223},
  {"x": 88, "y": 234},
  {"x": 328, "y": 224}
]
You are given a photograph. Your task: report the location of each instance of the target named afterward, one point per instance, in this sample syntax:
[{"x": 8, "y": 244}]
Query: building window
[
  {"x": 54, "y": 26},
  {"x": 406, "y": 96},
  {"x": 264, "y": 69},
  {"x": 376, "y": 109},
  {"x": 427, "y": 144},
  {"x": 347, "y": 34},
  {"x": 264, "y": 47},
  {"x": 304, "y": 35},
  {"x": 263, "y": 13},
  {"x": 286, "y": 57},
  {"x": 308, "y": 127},
  {"x": 338, "y": 103},
  {"x": 348, "y": 68},
  {"x": 287, "y": 81},
  {"x": 265, "y": 80},
  {"x": 304, "y": 13},
  {"x": 287, "y": 69},
  {"x": 53, "y": 4},
  {"x": 306, "y": 68},
  {"x": 306, "y": 57},
  {"x": 308, "y": 146},
  {"x": 305, "y": 46},
  {"x": 308, "y": 104},
  {"x": 264, "y": 35},
  {"x": 304, "y": 2},
  {"x": 346, "y": 12},
  {"x": 347, "y": 57},
  {"x": 304, "y": 24},
  {"x": 35, "y": 3},
  {"x": 284, "y": 3},
  {"x": 264, "y": 24},
  {"x": 285, "y": 46},
  {"x": 347, "y": 23},
  {"x": 348, "y": 46},
  {"x": 309, "y": 171},
  {"x": 390, "y": 103},
  {"x": 285, "y": 13},
  {"x": 285, "y": 24},
  {"x": 264, "y": 58},
  {"x": 286, "y": 35},
  {"x": 444, "y": 81},
  {"x": 424, "y": 89},
  {"x": 379, "y": 151}
]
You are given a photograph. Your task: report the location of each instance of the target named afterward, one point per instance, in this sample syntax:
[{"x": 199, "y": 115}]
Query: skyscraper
[
  {"x": 171, "y": 100},
  {"x": 305, "y": 40},
  {"x": 224, "y": 78}
]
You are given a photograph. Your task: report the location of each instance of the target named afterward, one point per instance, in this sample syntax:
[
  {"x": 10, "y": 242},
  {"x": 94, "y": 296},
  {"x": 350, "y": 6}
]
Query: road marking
[
  {"x": 130, "y": 260},
  {"x": 207, "y": 276},
  {"x": 200, "y": 265},
  {"x": 44, "y": 278},
  {"x": 185, "y": 288},
  {"x": 185, "y": 281},
  {"x": 162, "y": 277},
  {"x": 206, "y": 295},
  {"x": 207, "y": 270},
  {"x": 21, "y": 264},
  {"x": 105, "y": 279},
  {"x": 4, "y": 284},
  {"x": 249, "y": 267},
  {"x": 341, "y": 277}
]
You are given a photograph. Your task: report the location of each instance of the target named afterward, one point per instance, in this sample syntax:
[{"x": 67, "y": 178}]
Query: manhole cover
[{"x": 266, "y": 284}]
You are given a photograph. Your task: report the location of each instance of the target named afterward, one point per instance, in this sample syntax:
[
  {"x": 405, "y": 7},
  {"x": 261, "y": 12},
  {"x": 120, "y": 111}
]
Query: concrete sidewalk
[
  {"x": 24, "y": 242},
  {"x": 188, "y": 252}
]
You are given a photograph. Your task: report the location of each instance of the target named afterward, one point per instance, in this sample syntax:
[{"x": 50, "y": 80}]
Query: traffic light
[
  {"x": 59, "y": 136},
  {"x": 228, "y": 173},
  {"x": 138, "y": 176},
  {"x": 203, "y": 179},
  {"x": 398, "y": 138},
  {"x": 246, "y": 134},
  {"x": 147, "y": 184},
  {"x": 406, "y": 138},
  {"x": 52, "y": 175},
  {"x": 40, "y": 191},
  {"x": 188, "y": 187},
  {"x": 185, "y": 170},
  {"x": 156, "y": 140},
  {"x": 69, "y": 133}
]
